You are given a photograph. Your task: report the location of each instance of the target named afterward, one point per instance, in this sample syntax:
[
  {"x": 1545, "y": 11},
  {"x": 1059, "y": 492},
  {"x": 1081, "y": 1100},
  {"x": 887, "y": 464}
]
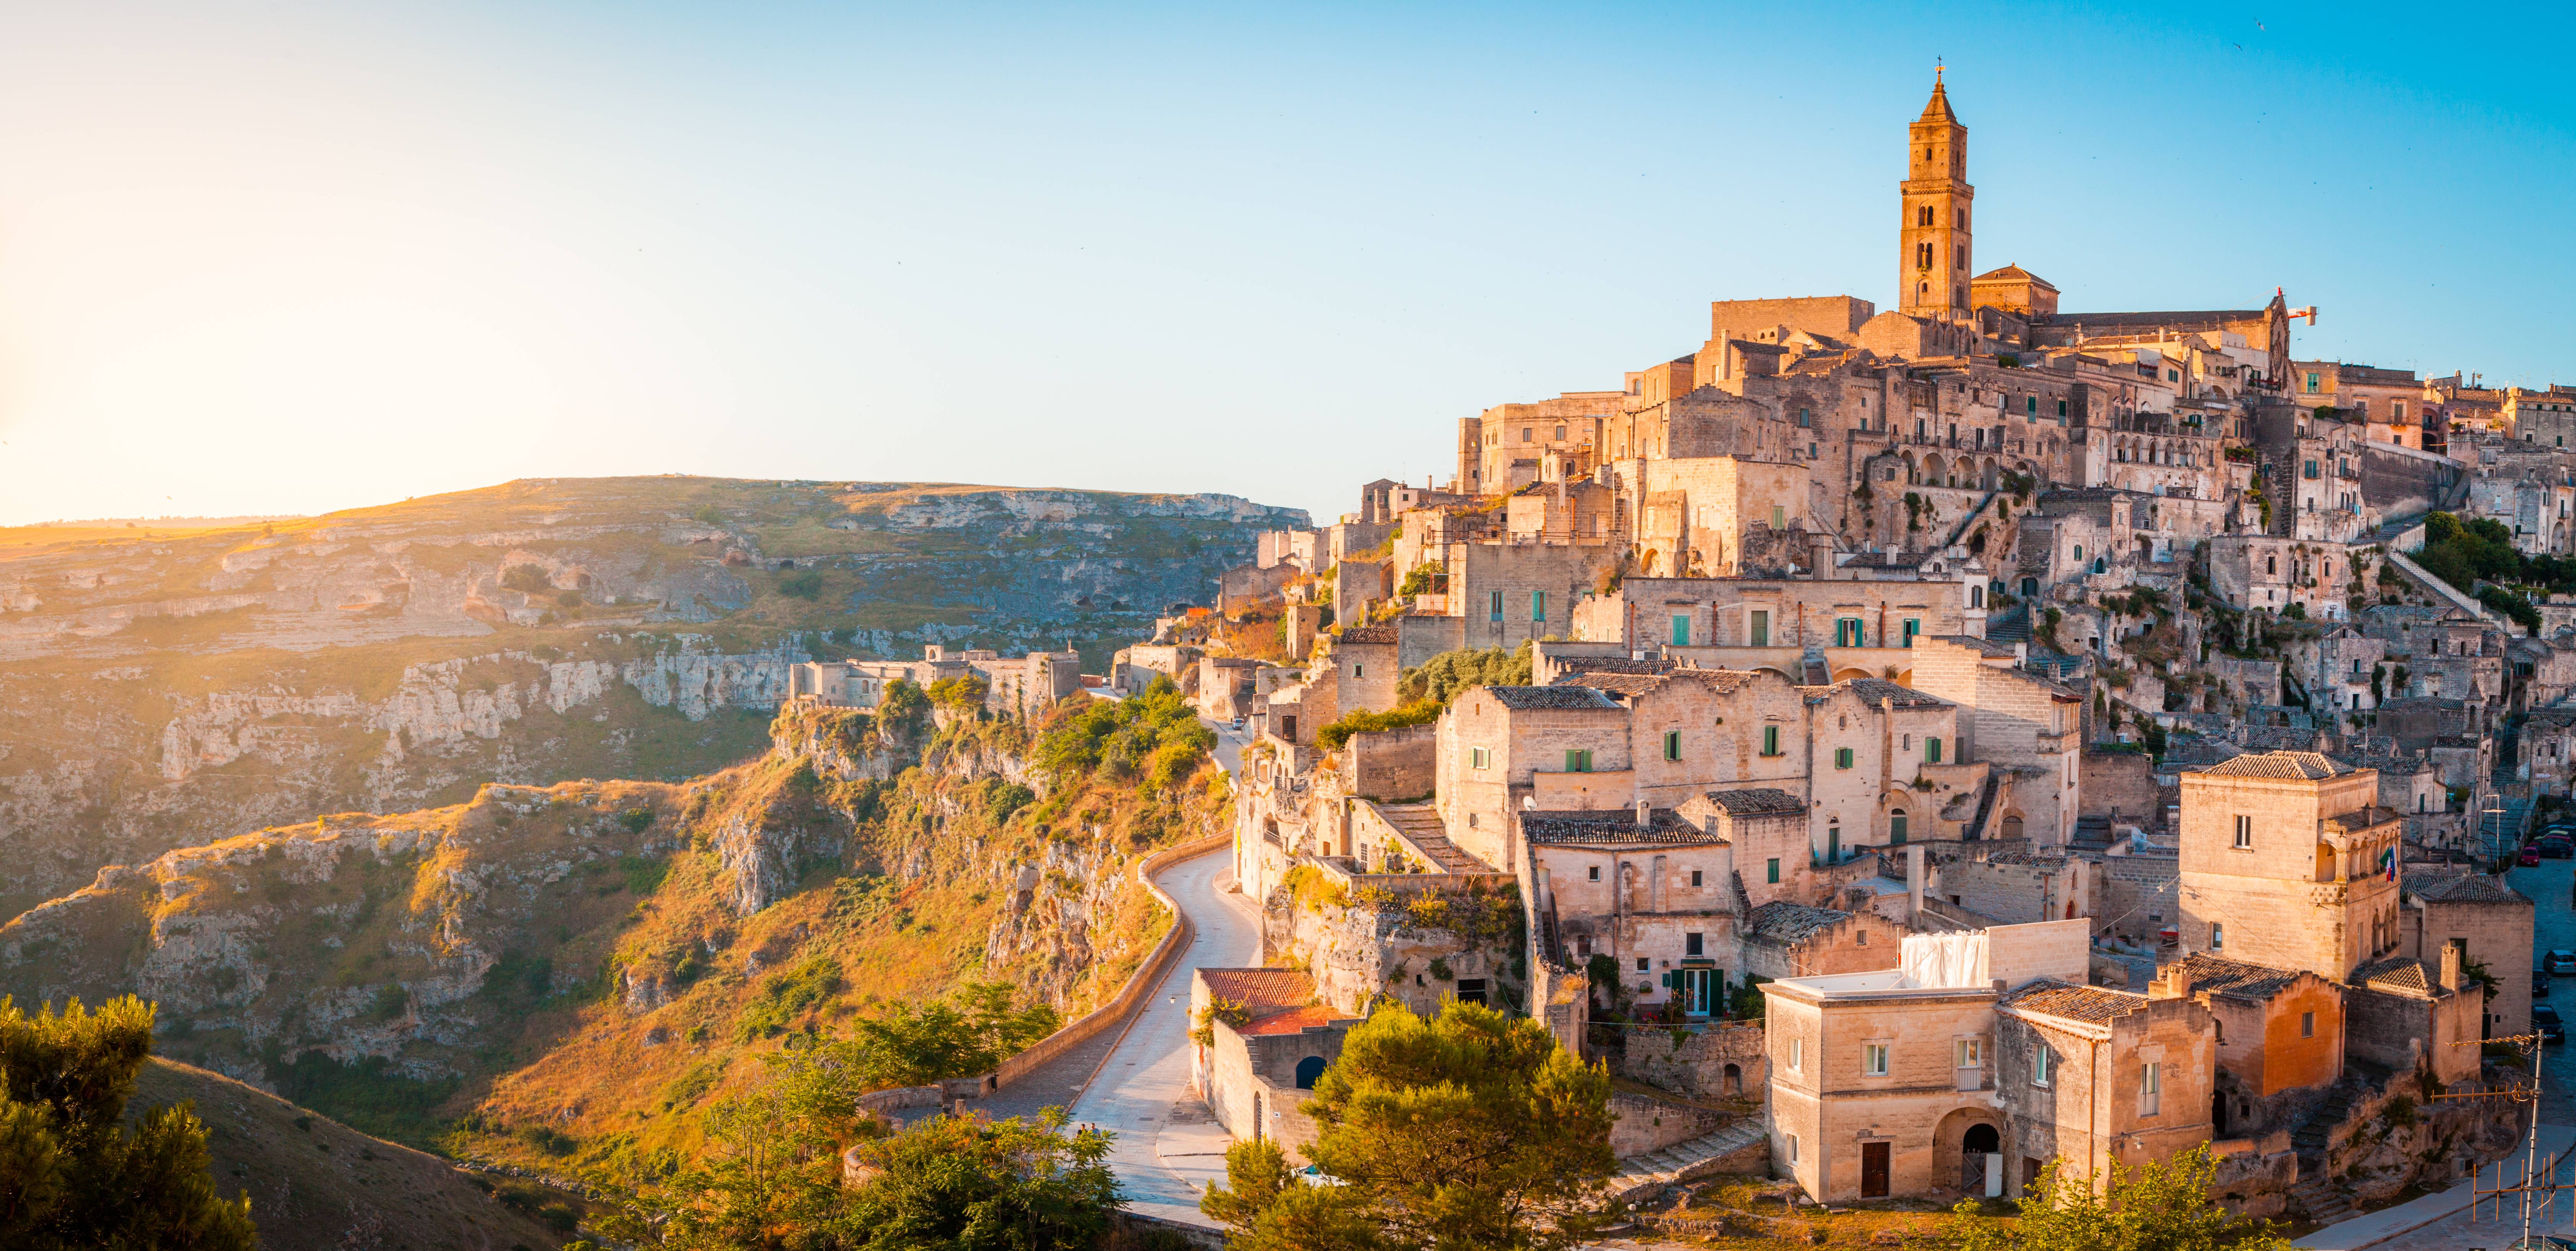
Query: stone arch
[
  {"x": 1908, "y": 458},
  {"x": 2012, "y": 825},
  {"x": 1309, "y": 1071},
  {"x": 1848, "y": 673},
  {"x": 1950, "y": 1163},
  {"x": 1932, "y": 469},
  {"x": 1988, "y": 476},
  {"x": 1652, "y": 565},
  {"x": 1734, "y": 1081}
]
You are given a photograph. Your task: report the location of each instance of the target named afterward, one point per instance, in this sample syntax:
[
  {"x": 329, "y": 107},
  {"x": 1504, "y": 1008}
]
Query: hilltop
[{"x": 165, "y": 687}]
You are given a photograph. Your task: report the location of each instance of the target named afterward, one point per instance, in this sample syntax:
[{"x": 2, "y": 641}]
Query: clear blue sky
[{"x": 292, "y": 257}]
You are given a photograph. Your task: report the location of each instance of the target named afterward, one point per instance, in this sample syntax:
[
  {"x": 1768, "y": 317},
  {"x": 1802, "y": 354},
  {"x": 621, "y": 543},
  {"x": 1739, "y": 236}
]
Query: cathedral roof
[
  {"x": 2015, "y": 273},
  {"x": 1937, "y": 109}
]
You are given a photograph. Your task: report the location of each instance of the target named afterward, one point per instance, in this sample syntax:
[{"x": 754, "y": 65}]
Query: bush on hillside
[
  {"x": 71, "y": 1174},
  {"x": 1154, "y": 736},
  {"x": 1420, "y": 712},
  {"x": 1443, "y": 677}
]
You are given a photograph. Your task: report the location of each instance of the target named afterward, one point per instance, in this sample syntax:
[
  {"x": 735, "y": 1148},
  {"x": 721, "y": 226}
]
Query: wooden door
[{"x": 1873, "y": 1170}]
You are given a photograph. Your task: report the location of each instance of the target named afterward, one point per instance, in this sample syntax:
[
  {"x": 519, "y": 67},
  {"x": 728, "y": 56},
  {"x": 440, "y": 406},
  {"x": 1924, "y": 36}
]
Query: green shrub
[
  {"x": 529, "y": 579},
  {"x": 1334, "y": 736},
  {"x": 806, "y": 585},
  {"x": 787, "y": 994}
]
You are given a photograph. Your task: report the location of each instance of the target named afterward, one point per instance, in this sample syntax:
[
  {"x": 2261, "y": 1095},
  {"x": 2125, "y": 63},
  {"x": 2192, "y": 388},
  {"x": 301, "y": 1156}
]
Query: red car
[{"x": 2530, "y": 857}]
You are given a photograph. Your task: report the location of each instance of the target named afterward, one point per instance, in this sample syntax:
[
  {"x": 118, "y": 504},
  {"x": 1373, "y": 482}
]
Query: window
[
  {"x": 1758, "y": 627},
  {"x": 2244, "y": 833},
  {"x": 2030, "y": 405},
  {"x": 1592, "y": 873},
  {"x": 1695, "y": 881},
  {"x": 1779, "y": 517},
  {"x": 2307, "y": 1025},
  {"x": 1681, "y": 629},
  {"x": 2173, "y": 375},
  {"x": 1797, "y": 1054},
  {"x": 2043, "y": 1067},
  {"x": 1847, "y": 632},
  {"x": 1842, "y": 757},
  {"x": 2397, "y": 410},
  {"x": 1356, "y": 670},
  {"x": 1913, "y": 626},
  {"x": 1538, "y": 605},
  {"x": 2312, "y": 384},
  {"x": 1793, "y": 1138},
  {"x": 1578, "y": 761},
  {"x": 1495, "y": 610},
  {"x": 1770, "y": 740},
  {"x": 1970, "y": 1053},
  {"x": 1931, "y": 750},
  {"x": 1771, "y": 874},
  {"x": 2217, "y": 936},
  {"x": 1804, "y": 419},
  {"x": 1873, "y": 1059},
  {"x": 1470, "y": 990},
  {"x": 2061, "y": 410},
  {"x": 1690, "y": 944},
  {"x": 2151, "y": 1089},
  {"x": 1896, "y": 823},
  {"x": 1923, "y": 216},
  {"x": 1479, "y": 758},
  {"x": 1672, "y": 744},
  {"x": 1525, "y": 434},
  {"x": 1560, "y": 434},
  {"x": 1641, "y": 964}
]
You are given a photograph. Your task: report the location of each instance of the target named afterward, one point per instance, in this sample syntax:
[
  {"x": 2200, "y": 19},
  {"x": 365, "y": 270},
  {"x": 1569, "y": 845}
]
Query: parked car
[
  {"x": 2529, "y": 858},
  {"x": 2539, "y": 984},
  {"x": 2555, "y": 846},
  {"x": 2561, "y": 961},
  {"x": 2545, "y": 1019}
]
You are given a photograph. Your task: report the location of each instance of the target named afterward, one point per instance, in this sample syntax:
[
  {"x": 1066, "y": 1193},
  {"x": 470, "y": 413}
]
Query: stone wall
[
  {"x": 2140, "y": 894},
  {"x": 1719, "y": 1061},
  {"x": 1644, "y": 1124},
  {"x": 2121, "y": 786},
  {"x": 1393, "y": 764}
]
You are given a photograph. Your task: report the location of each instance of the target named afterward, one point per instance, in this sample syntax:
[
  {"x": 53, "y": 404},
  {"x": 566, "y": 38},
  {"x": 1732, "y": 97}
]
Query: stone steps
[
  {"x": 2322, "y": 1202},
  {"x": 1421, "y": 825},
  {"x": 1684, "y": 1161}
]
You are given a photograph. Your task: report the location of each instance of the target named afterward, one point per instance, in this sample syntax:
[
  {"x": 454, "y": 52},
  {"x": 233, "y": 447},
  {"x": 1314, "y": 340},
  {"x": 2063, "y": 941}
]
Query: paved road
[
  {"x": 1167, "y": 1148},
  {"x": 1230, "y": 743},
  {"x": 2553, "y": 925}
]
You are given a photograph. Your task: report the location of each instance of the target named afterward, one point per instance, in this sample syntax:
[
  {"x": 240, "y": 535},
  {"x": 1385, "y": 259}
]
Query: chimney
[
  {"x": 1645, "y": 814},
  {"x": 2171, "y": 983},
  {"x": 2455, "y": 956},
  {"x": 1914, "y": 875}
]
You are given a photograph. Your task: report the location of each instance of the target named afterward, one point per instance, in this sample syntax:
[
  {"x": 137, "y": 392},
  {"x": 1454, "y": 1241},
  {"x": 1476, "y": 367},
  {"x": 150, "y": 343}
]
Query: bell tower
[{"x": 1933, "y": 264}]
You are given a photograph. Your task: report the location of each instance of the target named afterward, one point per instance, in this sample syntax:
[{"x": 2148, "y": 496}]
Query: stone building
[
  {"x": 2094, "y": 1077},
  {"x": 2492, "y": 921},
  {"x": 2289, "y": 861},
  {"x": 1256, "y": 1076}
]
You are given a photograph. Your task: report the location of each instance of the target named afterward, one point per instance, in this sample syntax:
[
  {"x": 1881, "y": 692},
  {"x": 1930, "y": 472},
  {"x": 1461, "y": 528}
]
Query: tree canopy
[
  {"x": 1153, "y": 736},
  {"x": 2163, "y": 1206},
  {"x": 1468, "y": 1129},
  {"x": 1443, "y": 677},
  {"x": 71, "y": 1174}
]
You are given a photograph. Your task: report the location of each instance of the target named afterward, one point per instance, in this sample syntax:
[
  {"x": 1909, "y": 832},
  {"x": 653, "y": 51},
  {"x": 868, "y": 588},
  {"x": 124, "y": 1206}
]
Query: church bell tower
[{"x": 1933, "y": 265}]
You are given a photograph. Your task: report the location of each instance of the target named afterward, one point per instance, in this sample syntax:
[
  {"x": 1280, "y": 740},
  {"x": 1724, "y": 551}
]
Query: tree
[
  {"x": 2162, "y": 1206},
  {"x": 1441, "y": 679},
  {"x": 969, "y": 1033},
  {"x": 71, "y": 1174},
  {"x": 1470, "y": 1129},
  {"x": 966, "y": 1183}
]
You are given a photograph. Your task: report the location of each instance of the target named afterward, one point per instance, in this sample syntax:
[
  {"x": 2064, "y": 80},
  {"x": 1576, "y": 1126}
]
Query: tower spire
[{"x": 1933, "y": 263}]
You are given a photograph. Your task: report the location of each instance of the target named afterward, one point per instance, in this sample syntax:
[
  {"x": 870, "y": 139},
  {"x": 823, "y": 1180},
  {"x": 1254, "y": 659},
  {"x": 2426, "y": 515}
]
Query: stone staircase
[
  {"x": 2320, "y": 1200},
  {"x": 1421, "y": 826},
  {"x": 2012, "y": 625},
  {"x": 2092, "y": 833},
  {"x": 2316, "y": 1193},
  {"x": 1985, "y": 810},
  {"x": 1684, "y": 1161}
]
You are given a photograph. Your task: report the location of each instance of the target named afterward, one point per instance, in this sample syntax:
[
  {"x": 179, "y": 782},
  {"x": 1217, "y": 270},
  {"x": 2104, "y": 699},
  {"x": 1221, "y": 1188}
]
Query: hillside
[
  {"x": 563, "y": 978},
  {"x": 164, "y": 688},
  {"x": 317, "y": 1185}
]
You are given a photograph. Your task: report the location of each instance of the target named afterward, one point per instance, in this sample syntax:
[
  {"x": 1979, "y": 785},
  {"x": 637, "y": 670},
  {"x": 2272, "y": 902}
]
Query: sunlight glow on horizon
[{"x": 301, "y": 258}]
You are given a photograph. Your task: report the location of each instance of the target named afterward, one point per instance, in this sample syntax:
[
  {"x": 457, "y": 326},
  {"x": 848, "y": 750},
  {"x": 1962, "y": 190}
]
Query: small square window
[
  {"x": 1773, "y": 873},
  {"x": 1873, "y": 1059},
  {"x": 1695, "y": 877},
  {"x": 1691, "y": 944},
  {"x": 2307, "y": 1025},
  {"x": 1641, "y": 964},
  {"x": 1479, "y": 758},
  {"x": 1592, "y": 873}
]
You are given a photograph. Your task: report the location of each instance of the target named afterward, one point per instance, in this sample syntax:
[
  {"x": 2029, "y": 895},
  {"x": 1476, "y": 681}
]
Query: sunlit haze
[{"x": 292, "y": 258}]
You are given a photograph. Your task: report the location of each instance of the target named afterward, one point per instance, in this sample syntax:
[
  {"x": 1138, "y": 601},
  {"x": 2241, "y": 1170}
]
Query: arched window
[
  {"x": 1308, "y": 1071},
  {"x": 2100, "y": 565},
  {"x": 1976, "y": 596}
]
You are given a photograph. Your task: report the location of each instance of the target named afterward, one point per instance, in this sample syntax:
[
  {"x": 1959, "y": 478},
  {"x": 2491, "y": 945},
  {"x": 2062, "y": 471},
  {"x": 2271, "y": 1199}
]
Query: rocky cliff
[
  {"x": 164, "y": 689},
  {"x": 598, "y": 959}
]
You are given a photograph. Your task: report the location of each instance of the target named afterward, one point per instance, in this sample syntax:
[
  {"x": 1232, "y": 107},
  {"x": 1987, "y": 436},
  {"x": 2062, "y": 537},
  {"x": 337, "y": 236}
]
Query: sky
[{"x": 286, "y": 258}]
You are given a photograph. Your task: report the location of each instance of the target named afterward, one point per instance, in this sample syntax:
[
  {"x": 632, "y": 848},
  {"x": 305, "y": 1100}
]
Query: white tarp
[{"x": 1931, "y": 960}]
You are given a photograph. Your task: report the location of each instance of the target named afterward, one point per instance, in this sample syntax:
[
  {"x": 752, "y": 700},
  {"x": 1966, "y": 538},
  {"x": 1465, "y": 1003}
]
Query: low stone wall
[
  {"x": 2255, "y": 1175},
  {"x": 1148, "y": 975},
  {"x": 1695, "y": 1063},
  {"x": 2392, "y": 1137},
  {"x": 1645, "y": 1124}
]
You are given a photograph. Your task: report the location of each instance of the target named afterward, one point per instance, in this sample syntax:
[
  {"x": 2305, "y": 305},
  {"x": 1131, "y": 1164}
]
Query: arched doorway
[
  {"x": 1961, "y": 1144},
  {"x": 1734, "y": 1080},
  {"x": 2012, "y": 826},
  {"x": 1979, "y": 1149},
  {"x": 1309, "y": 1071}
]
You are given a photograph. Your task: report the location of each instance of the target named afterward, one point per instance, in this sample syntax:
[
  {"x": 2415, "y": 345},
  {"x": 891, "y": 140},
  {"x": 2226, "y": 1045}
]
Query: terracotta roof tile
[
  {"x": 2094, "y": 1005},
  {"x": 2400, "y": 974},
  {"x": 1754, "y": 801},
  {"x": 1293, "y": 1020},
  {"x": 1613, "y": 825},
  {"x": 1780, "y": 921},
  {"x": 1568, "y": 697},
  {"x": 1262, "y": 989},
  {"x": 2477, "y": 888},
  {"x": 2298, "y": 765},
  {"x": 2234, "y": 979}
]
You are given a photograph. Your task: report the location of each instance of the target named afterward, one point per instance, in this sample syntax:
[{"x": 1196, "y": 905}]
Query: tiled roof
[
  {"x": 1565, "y": 696},
  {"x": 2104, "y": 321},
  {"x": 1368, "y": 634},
  {"x": 1262, "y": 989},
  {"x": 1877, "y": 689},
  {"x": 1623, "y": 685},
  {"x": 1612, "y": 664},
  {"x": 1293, "y": 1020},
  {"x": 2091, "y": 1004},
  {"x": 2234, "y": 979},
  {"x": 1612, "y": 825},
  {"x": 1984, "y": 646},
  {"x": 2363, "y": 818},
  {"x": 2399, "y": 973},
  {"x": 2473, "y": 888},
  {"x": 1757, "y": 801},
  {"x": 2301, "y": 765},
  {"x": 1780, "y": 921}
]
